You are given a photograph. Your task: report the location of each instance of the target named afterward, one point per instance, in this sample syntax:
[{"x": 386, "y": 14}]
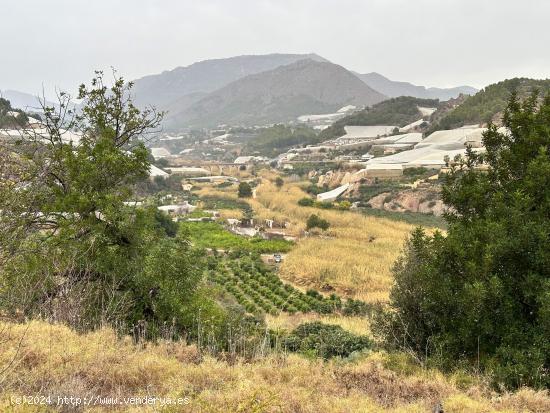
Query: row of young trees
[{"x": 479, "y": 296}]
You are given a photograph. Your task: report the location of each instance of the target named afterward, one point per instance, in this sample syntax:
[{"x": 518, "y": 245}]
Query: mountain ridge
[
  {"x": 206, "y": 76},
  {"x": 280, "y": 95},
  {"x": 393, "y": 88}
]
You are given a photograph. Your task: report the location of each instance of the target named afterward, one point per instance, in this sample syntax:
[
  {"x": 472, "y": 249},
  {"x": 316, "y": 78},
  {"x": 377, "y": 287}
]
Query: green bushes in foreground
[{"x": 479, "y": 296}]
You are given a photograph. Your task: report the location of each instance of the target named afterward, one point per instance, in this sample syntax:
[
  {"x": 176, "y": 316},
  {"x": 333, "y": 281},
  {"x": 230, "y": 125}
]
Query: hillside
[
  {"x": 488, "y": 104},
  {"x": 11, "y": 117},
  {"x": 24, "y": 101},
  {"x": 279, "y": 138},
  {"x": 393, "y": 88},
  {"x": 55, "y": 360},
  {"x": 279, "y": 95},
  {"x": 177, "y": 88},
  {"x": 397, "y": 111}
]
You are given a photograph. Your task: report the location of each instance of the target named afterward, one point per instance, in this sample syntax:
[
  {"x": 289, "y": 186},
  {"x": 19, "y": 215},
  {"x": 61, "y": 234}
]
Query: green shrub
[
  {"x": 356, "y": 307},
  {"x": 325, "y": 340},
  {"x": 306, "y": 202},
  {"x": 245, "y": 190},
  {"x": 323, "y": 204},
  {"x": 480, "y": 295},
  {"x": 344, "y": 205},
  {"x": 314, "y": 221}
]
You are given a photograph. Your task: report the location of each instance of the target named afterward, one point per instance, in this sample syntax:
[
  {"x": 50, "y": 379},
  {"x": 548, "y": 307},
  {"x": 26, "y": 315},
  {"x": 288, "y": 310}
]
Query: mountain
[
  {"x": 488, "y": 104},
  {"x": 185, "y": 85},
  {"x": 393, "y": 88},
  {"x": 398, "y": 111},
  {"x": 24, "y": 101},
  {"x": 278, "y": 95}
]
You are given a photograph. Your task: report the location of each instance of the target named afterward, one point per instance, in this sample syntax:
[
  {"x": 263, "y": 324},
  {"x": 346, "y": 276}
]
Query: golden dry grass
[
  {"x": 286, "y": 321},
  {"x": 354, "y": 256},
  {"x": 52, "y": 359}
]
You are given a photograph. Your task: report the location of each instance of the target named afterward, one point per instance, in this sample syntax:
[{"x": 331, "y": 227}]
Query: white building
[
  {"x": 154, "y": 172},
  {"x": 159, "y": 153},
  {"x": 332, "y": 195}
]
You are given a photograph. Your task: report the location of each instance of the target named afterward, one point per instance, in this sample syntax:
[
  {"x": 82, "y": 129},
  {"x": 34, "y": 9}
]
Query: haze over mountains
[
  {"x": 395, "y": 89},
  {"x": 280, "y": 95},
  {"x": 201, "y": 78},
  {"x": 266, "y": 89},
  {"x": 22, "y": 100},
  {"x": 260, "y": 89}
]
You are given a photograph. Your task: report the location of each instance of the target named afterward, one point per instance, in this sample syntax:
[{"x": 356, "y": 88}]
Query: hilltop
[
  {"x": 488, "y": 104},
  {"x": 397, "y": 111},
  {"x": 394, "y": 88},
  {"x": 25, "y": 101},
  {"x": 170, "y": 90},
  {"x": 279, "y": 95}
]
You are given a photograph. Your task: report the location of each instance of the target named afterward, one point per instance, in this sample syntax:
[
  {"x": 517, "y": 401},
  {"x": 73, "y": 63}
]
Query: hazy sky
[{"x": 427, "y": 42}]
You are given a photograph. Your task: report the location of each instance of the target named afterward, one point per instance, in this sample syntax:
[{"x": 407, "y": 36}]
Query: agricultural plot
[
  {"x": 260, "y": 291},
  {"x": 214, "y": 235}
]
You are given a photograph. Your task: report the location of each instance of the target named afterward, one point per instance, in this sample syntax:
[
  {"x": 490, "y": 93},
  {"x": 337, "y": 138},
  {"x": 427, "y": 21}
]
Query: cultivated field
[{"x": 354, "y": 256}]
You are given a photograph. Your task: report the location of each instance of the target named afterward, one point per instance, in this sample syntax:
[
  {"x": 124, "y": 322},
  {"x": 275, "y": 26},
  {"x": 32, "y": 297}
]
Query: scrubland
[{"x": 41, "y": 358}]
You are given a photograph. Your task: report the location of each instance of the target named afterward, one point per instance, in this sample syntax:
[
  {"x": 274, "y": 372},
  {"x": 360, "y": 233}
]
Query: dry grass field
[
  {"x": 56, "y": 361},
  {"x": 285, "y": 321},
  {"x": 354, "y": 256}
]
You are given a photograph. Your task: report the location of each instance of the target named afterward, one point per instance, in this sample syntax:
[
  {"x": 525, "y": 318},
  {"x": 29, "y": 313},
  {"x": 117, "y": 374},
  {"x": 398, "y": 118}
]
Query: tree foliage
[
  {"x": 481, "y": 294},
  {"x": 325, "y": 340},
  {"x": 314, "y": 221},
  {"x": 11, "y": 118},
  {"x": 279, "y": 138},
  {"x": 245, "y": 190},
  {"x": 70, "y": 249}
]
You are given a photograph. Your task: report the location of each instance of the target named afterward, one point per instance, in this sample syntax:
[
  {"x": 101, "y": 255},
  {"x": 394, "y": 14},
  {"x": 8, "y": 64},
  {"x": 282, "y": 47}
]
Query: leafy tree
[
  {"x": 164, "y": 221},
  {"x": 11, "y": 118},
  {"x": 314, "y": 221},
  {"x": 481, "y": 294},
  {"x": 162, "y": 163},
  {"x": 279, "y": 182},
  {"x": 245, "y": 190},
  {"x": 70, "y": 250}
]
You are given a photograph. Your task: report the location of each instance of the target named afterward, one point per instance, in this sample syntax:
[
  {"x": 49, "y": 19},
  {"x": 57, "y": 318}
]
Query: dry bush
[{"x": 389, "y": 389}]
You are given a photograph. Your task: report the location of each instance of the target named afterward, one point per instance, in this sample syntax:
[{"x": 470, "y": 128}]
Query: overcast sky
[{"x": 427, "y": 42}]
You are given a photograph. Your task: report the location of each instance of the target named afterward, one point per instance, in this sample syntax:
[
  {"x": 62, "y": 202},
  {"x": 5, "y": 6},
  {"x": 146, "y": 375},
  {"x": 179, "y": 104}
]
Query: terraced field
[{"x": 260, "y": 291}]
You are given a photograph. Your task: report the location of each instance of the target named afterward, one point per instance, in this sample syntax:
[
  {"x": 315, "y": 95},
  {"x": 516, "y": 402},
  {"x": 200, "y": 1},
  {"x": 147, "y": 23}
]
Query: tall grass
[
  {"x": 54, "y": 360},
  {"x": 354, "y": 256}
]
